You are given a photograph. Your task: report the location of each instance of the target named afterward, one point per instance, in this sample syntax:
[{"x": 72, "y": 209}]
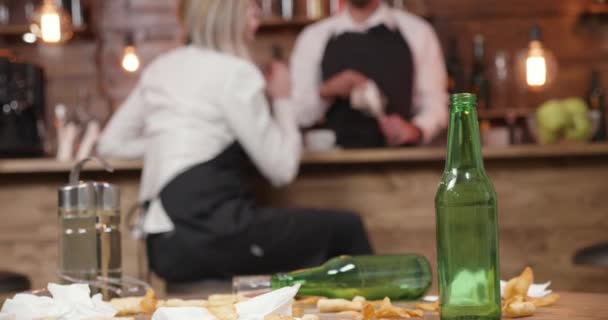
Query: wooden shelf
[
  {"x": 295, "y": 23},
  {"x": 20, "y": 29},
  {"x": 499, "y": 114}
]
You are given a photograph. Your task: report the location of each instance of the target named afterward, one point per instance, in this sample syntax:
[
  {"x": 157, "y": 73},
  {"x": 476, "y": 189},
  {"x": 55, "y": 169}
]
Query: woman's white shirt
[{"x": 191, "y": 104}]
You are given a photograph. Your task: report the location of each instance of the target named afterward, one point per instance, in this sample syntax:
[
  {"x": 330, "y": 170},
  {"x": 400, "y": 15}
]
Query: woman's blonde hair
[{"x": 216, "y": 24}]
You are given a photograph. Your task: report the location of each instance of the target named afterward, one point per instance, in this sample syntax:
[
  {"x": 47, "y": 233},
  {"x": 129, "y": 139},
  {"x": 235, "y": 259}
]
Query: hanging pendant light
[
  {"x": 130, "y": 60},
  {"x": 52, "y": 23},
  {"x": 536, "y": 65}
]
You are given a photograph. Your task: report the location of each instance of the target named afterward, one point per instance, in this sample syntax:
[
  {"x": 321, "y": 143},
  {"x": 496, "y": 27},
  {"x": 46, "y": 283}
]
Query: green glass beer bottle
[
  {"x": 399, "y": 277},
  {"x": 467, "y": 231}
]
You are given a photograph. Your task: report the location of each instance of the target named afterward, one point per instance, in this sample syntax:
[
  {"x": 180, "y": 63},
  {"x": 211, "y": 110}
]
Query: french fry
[
  {"x": 338, "y": 305},
  {"x": 310, "y": 317},
  {"x": 297, "y": 312},
  {"x": 352, "y": 314},
  {"x": 387, "y": 310},
  {"x": 520, "y": 284},
  {"x": 415, "y": 313},
  {"x": 433, "y": 306},
  {"x": 275, "y": 316},
  {"x": 127, "y": 306},
  {"x": 173, "y": 303},
  {"x": 307, "y": 301},
  {"x": 546, "y": 300},
  {"x": 148, "y": 303},
  {"x": 516, "y": 307},
  {"x": 368, "y": 311},
  {"x": 224, "y": 312},
  {"x": 359, "y": 299}
]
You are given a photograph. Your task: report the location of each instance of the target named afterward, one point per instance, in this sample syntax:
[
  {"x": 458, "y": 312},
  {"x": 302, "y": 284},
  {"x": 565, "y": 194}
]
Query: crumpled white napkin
[
  {"x": 69, "y": 302},
  {"x": 277, "y": 301},
  {"x": 535, "y": 290},
  {"x": 274, "y": 302}
]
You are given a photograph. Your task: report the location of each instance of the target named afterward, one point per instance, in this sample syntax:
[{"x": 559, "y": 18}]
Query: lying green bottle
[{"x": 399, "y": 277}]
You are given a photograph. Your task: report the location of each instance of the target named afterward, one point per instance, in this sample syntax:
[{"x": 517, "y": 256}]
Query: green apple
[
  {"x": 552, "y": 116},
  {"x": 580, "y": 130},
  {"x": 575, "y": 106},
  {"x": 546, "y": 136}
]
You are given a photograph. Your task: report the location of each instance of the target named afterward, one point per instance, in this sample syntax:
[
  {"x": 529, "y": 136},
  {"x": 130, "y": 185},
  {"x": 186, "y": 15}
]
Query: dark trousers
[{"x": 277, "y": 240}]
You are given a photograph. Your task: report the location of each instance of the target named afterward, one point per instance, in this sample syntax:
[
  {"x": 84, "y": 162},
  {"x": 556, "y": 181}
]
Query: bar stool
[
  {"x": 596, "y": 255},
  {"x": 11, "y": 282}
]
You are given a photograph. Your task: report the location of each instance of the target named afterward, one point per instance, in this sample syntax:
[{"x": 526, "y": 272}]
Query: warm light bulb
[
  {"x": 130, "y": 60},
  {"x": 536, "y": 71},
  {"x": 50, "y": 27},
  {"x": 51, "y": 23}
]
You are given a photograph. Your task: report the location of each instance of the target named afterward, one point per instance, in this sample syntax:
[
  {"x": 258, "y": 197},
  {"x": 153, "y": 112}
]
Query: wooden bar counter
[{"x": 553, "y": 201}]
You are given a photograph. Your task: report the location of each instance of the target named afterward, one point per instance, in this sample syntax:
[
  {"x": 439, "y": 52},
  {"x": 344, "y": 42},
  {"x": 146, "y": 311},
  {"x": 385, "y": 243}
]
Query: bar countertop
[{"x": 362, "y": 156}]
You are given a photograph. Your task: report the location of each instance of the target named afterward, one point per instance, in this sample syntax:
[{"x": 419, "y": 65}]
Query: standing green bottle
[{"x": 467, "y": 231}]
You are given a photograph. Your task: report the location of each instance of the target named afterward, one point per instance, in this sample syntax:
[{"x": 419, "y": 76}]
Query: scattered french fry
[
  {"x": 148, "y": 303},
  {"x": 433, "y": 306},
  {"x": 516, "y": 307},
  {"x": 546, "y": 300},
  {"x": 224, "y": 312},
  {"x": 352, "y": 314},
  {"x": 368, "y": 311},
  {"x": 307, "y": 301},
  {"x": 359, "y": 299},
  {"x": 173, "y": 303},
  {"x": 387, "y": 310},
  {"x": 310, "y": 317},
  {"x": 297, "y": 312},
  {"x": 275, "y": 316},
  {"x": 338, "y": 305}
]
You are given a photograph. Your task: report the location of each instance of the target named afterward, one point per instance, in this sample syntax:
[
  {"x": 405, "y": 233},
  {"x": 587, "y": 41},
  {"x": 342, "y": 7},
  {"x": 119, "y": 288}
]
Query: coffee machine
[{"x": 22, "y": 97}]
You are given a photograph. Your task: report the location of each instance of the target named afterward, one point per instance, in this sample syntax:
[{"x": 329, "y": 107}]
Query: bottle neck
[
  {"x": 464, "y": 146},
  {"x": 251, "y": 285}
]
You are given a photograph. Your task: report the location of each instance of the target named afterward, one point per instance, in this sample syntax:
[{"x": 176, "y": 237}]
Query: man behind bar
[{"x": 368, "y": 41}]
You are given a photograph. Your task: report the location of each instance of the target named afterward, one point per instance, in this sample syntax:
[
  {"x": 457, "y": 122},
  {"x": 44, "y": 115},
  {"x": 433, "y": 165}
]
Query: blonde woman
[{"x": 199, "y": 112}]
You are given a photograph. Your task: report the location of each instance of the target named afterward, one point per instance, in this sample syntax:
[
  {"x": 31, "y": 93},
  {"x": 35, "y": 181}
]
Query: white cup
[{"x": 320, "y": 140}]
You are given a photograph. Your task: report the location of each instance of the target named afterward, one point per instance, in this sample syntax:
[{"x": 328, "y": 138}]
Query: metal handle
[{"x": 75, "y": 173}]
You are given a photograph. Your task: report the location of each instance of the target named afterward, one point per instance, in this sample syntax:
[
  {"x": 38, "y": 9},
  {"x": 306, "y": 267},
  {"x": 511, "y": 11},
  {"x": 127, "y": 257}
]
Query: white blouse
[
  {"x": 430, "y": 98},
  {"x": 191, "y": 104}
]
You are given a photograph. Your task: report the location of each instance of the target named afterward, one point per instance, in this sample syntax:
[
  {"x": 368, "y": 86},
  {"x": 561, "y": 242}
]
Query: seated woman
[{"x": 197, "y": 113}]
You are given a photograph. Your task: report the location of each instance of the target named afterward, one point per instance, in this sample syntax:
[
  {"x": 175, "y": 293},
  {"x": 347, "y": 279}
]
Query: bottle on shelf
[
  {"x": 399, "y": 277},
  {"x": 479, "y": 84},
  {"x": 467, "y": 231},
  {"x": 454, "y": 67},
  {"x": 596, "y": 98}
]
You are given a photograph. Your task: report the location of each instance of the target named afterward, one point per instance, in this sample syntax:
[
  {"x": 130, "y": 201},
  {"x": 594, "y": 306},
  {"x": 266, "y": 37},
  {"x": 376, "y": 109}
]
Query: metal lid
[
  {"x": 80, "y": 195},
  {"x": 77, "y": 197},
  {"x": 108, "y": 196}
]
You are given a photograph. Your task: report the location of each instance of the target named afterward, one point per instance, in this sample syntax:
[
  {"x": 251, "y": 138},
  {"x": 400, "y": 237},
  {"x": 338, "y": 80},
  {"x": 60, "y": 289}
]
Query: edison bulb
[
  {"x": 536, "y": 66},
  {"x": 51, "y": 23},
  {"x": 130, "y": 60}
]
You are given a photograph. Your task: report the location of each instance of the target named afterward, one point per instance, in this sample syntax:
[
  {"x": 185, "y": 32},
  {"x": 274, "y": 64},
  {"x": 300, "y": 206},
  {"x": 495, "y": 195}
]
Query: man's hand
[
  {"x": 342, "y": 84},
  {"x": 399, "y": 131}
]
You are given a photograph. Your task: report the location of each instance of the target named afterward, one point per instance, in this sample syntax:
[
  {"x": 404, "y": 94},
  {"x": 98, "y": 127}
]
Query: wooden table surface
[
  {"x": 576, "y": 306},
  {"x": 570, "y": 306}
]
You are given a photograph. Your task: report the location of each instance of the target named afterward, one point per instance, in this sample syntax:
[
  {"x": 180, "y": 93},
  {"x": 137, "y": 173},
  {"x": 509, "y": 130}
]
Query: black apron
[
  {"x": 382, "y": 55},
  {"x": 220, "y": 232}
]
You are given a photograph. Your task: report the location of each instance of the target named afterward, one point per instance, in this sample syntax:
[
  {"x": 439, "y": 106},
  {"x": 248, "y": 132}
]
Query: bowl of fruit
[{"x": 563, "y": 121}]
